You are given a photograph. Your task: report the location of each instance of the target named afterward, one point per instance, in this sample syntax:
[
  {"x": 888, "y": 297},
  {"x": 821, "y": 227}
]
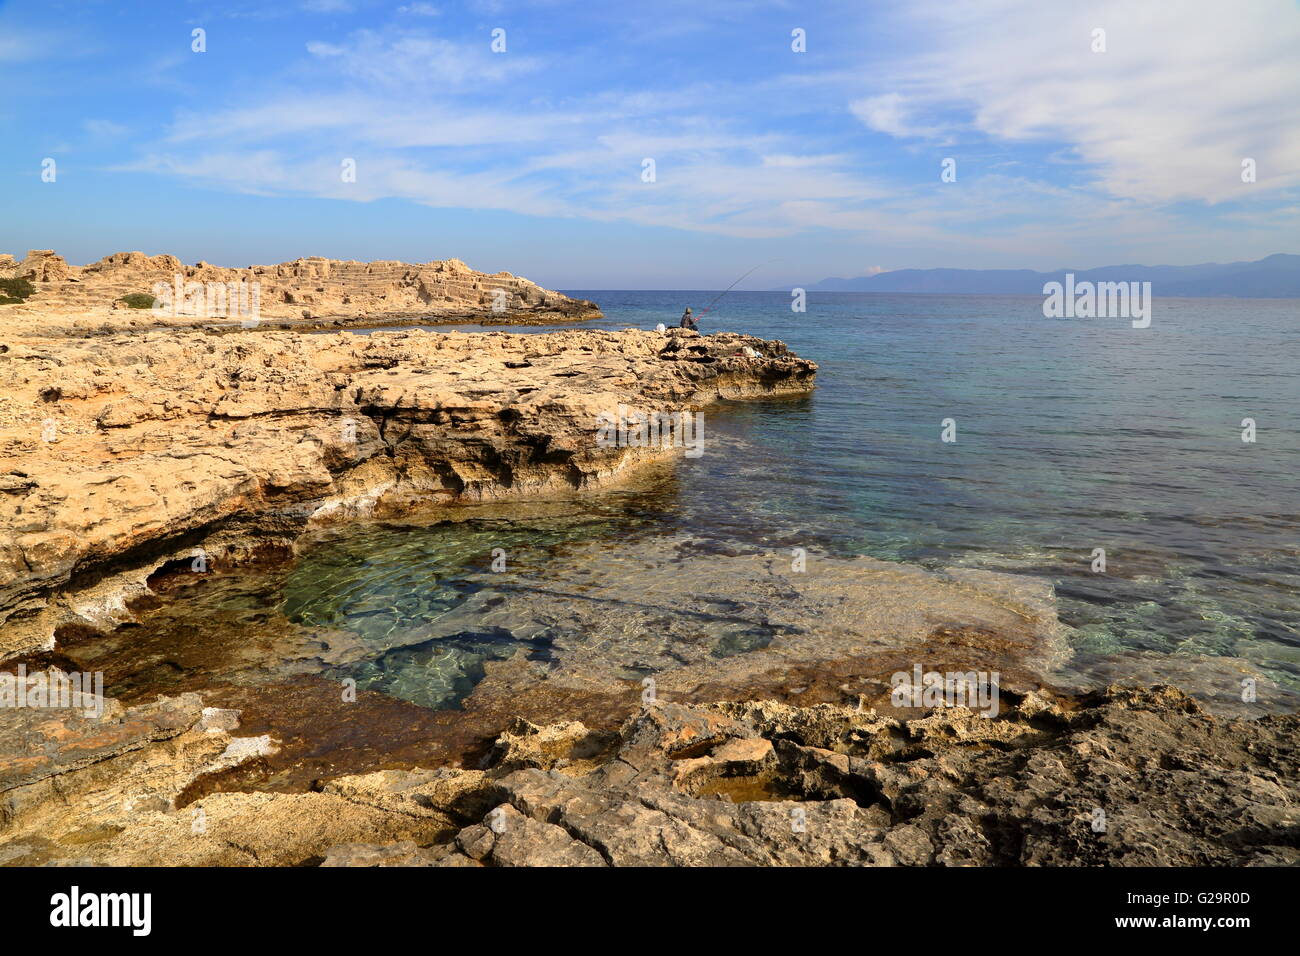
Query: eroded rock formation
[
  {"x": 122, "y": 453},
  {"x": 1121, "y": 777},
  {"x": 311, "y": 292}
]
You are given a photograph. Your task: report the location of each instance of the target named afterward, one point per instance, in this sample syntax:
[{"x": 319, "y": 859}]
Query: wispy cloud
[
  {"x": 415, "y": 63},
  {"x": 1180, "y": 96},
  {"x": 887, "y": 113},
  {"x": 1058, "y": 147},
  {"x": 327, "y": 6},
  {"x": 104, "y": 129},
  {"x": 410, "y": 107}
]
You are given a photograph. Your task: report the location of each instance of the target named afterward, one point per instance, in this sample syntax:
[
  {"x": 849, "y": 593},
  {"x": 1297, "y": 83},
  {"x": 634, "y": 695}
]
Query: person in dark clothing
[{"x": 688, "y": 320}]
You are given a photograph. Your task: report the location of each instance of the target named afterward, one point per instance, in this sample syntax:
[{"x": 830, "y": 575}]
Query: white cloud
[
  {"x": 1183, "y": 92},
  {"x": 19, "y": 45},
  {"x": 417, "y": 63},
  {"x": 785, "y": 159},
  {"x": 440, "y": 123},
  {"x": 103, "y": 129},
  {"x": 887, "y": 114},
  {"x": 327, "y": 6}
]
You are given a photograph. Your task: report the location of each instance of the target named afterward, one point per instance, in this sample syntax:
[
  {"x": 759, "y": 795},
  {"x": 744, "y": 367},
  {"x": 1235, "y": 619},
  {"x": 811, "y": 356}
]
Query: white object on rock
[
  {"x": 661, "y": 328},
  {"x": 218, "y": 719}
]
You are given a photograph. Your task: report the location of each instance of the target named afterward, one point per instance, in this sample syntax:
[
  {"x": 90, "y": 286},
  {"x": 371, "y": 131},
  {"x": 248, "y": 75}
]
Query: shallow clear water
[{"x": 1071, "y": 435}]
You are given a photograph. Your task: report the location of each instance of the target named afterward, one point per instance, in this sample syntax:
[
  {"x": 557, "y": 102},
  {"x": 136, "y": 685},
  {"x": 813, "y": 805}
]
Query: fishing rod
[{"x": 736, "y": 283}]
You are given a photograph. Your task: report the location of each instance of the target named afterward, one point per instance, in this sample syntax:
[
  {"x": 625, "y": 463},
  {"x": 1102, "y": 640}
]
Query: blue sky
[{"x": 820, "y": 163}]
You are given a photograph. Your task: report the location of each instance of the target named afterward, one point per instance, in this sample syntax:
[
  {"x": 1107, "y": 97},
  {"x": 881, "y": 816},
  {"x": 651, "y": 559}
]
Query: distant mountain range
[{"x": 1277, "y": 276}]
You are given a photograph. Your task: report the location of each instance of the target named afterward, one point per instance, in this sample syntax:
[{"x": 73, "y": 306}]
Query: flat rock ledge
[
  {"x": 306, "y": 293},
  {"x": 123, "y": 453},
  {"x": 1119, "y": 777}
]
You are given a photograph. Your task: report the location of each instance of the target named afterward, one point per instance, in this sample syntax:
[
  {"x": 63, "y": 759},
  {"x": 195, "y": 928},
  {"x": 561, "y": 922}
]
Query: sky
[{"x": 808, "y": 140}]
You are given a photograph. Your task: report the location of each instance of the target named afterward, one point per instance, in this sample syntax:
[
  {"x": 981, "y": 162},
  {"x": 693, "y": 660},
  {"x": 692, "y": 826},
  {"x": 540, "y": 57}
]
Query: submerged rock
[{"x": 171, "y": 449}]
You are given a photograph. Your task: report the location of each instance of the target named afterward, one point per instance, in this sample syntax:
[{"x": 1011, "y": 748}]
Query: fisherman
[{"x": 688, "y": 320}]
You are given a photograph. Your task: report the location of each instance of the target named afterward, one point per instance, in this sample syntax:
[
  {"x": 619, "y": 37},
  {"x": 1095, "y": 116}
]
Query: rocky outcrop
[
  {"x": 1121, "y": 777},
  {"x": 39, "y": 265},
  {"x": 306, "y": 293},
  {"x": 121, "y": 455},
  {"x": 110, "y": 790},
  {"x": 768, "y": 737}
]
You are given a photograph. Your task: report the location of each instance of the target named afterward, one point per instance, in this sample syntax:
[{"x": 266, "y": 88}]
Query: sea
[{"x": 1149, "y": 474}]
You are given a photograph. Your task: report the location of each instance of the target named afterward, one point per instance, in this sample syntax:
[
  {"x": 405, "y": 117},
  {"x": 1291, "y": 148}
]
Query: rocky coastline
[
  {"x": 132, "y": 445},
  {"x": 133, "y": 451},
  {"x": 305, "y": 295},
  {"x": 1122, "y": 777}
]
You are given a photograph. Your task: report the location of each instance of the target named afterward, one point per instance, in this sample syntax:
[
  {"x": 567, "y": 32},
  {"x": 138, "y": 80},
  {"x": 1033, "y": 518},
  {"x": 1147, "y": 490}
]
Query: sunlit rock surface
[
  {"x": 1121, "y": 777},
  {"x": 305, "y": 293},
  {"x": 126, "y": 453}
]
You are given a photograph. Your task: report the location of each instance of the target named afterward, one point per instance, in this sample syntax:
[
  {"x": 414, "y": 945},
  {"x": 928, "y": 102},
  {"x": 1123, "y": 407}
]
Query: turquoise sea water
[{"x": 1071, "y": 435}]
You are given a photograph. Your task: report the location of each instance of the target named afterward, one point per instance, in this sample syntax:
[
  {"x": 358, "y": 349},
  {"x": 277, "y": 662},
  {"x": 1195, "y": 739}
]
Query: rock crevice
[
  {"x": 1120, "y": 777},
  {"x": 124, "y": 454}
]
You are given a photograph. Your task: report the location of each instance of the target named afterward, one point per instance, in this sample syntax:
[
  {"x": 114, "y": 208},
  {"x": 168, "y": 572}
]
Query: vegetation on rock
[
  {"x": 13, "y": 291},
  {"x": 137, "y": 300}
]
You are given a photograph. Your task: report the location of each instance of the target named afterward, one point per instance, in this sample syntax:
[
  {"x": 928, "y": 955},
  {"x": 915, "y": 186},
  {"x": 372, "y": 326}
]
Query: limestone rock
[
  {"x": 40, "y": 265},
  {"x": 128, "y": 453},
  {"x": 1176, "y": 786},
  {"x": 1120, "y": 777},
  {"x": 74, "y": 299}
]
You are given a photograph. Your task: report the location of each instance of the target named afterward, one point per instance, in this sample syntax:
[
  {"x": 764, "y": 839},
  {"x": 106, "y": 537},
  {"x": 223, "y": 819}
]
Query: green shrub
[
  {"x": 13, "y": 291},
  {"x": 137, "y": 300}
]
